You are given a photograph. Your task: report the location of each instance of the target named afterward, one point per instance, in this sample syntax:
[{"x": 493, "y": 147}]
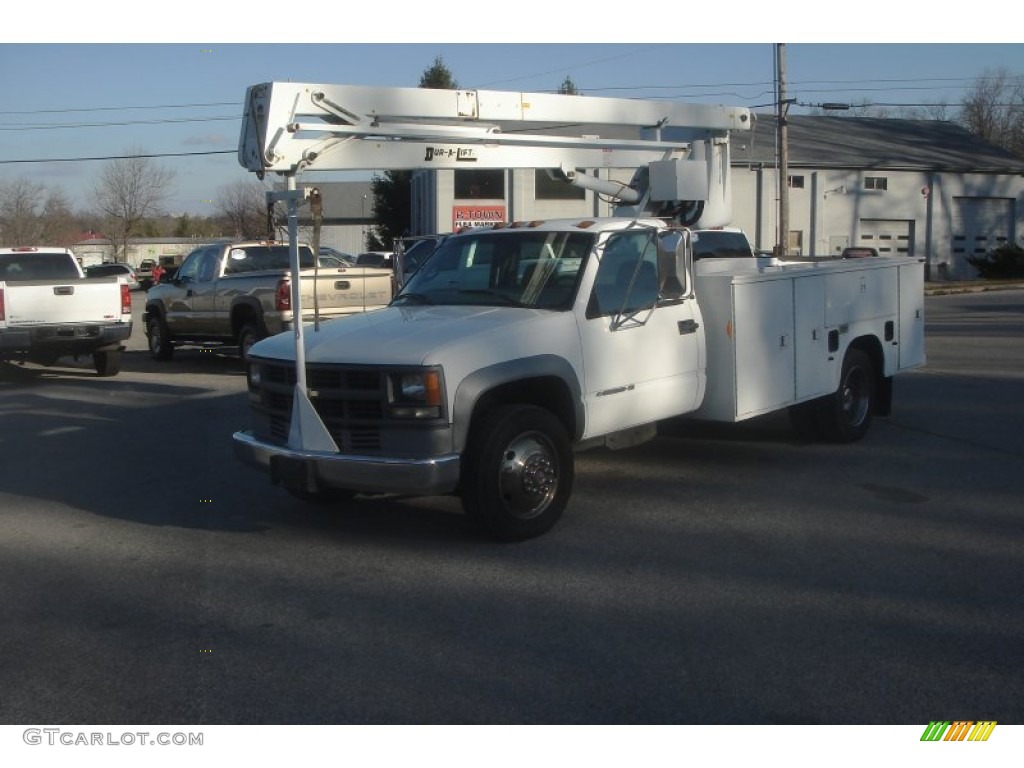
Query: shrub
[{"x": 1004, "y": 262}]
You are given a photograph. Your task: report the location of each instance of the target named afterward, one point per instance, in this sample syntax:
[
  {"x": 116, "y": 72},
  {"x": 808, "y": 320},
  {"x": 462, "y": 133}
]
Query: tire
[
  {"x": 518, "y": 472},
  {"x": 845, "y": 416},
  {"x": 248, "y": 335},
  {"x": 107, "y": 363},
  {"x": 159, "y": 338}
]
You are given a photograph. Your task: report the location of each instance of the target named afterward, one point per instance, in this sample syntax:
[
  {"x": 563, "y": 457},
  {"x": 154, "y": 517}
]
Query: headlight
[
  {"x": 416, "y": 395},
  {"x": 255, "y": 376},
  {"x": 412, "y": 386}
]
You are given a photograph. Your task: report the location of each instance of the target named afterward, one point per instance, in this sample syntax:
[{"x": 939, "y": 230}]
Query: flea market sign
[{"x": 476, "y": 216}]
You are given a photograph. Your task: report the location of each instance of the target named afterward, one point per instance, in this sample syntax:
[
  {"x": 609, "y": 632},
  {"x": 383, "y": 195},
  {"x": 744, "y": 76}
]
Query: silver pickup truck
[
  {"x": 49, "y": 310},
  {"x": 235, "y": 294}
]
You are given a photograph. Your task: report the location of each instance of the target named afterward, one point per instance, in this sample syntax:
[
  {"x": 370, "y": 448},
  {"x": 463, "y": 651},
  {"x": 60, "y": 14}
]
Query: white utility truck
[{"x": 512, "y": 347}]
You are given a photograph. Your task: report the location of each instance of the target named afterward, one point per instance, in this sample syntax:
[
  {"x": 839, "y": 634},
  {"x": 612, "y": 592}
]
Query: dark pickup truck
[{"x": 235, "y": 294}]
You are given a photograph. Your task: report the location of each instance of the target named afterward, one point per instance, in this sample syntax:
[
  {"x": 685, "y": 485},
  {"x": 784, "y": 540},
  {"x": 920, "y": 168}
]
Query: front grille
[{"x": 350, "y": 401}]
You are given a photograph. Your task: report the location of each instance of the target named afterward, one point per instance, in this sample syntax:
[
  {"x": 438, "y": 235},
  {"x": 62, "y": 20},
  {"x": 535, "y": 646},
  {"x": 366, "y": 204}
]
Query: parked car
[
  {"x": 115, "y": 270},
  {"x": 858, "y": 253},
  {"x": 144, "y": 273},
  {"x": 722, "y": 243}
]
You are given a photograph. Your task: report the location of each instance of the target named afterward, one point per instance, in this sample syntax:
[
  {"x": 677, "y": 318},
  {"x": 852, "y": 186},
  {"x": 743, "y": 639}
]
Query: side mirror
[{"x": 673, "y": 249}]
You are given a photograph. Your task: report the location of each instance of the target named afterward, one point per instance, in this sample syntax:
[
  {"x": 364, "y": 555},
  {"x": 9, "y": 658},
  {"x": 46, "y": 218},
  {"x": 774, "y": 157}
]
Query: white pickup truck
[
  {"x": 49, "y": 310},
  {"x": 513, "y": 347}
]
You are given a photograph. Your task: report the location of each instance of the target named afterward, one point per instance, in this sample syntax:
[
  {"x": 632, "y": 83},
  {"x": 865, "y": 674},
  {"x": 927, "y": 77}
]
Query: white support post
[{"x": 307, "y": 431}]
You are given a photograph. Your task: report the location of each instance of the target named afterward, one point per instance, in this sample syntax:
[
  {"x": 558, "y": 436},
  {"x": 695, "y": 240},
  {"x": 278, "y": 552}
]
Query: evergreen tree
[
  {"x": 392, "y": 190},
  {"x": 568, "y": 87}
]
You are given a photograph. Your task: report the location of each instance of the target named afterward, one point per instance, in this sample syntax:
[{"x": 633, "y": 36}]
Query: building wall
[
  {"x": 941, "y": 217},
  {"x": 434, "y": 202},
  {"x": 91, "y": 252}
]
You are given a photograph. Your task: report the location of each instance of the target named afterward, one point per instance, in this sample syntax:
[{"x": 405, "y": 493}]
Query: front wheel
[
  {"x": 248, "y": 335},
  {"x": 518, "y": 472},
  {"x": 845, "y": 416},
  {"x": 159, "y": 338}
]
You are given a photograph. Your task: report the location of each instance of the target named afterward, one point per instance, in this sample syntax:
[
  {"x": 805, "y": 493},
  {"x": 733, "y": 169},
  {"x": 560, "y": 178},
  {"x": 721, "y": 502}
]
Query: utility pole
[{"x": 782, "y": 105}]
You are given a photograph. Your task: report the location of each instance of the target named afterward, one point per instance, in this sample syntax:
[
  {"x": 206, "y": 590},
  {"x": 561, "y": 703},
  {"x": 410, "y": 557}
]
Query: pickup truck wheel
[
  {"x": 107, "y": 363},
  {"x": 159, "y": 338},
  {"x": 844, "y": 417},
  {"x": 248, "y": 335},
  {"x": 518, "y": 472}
]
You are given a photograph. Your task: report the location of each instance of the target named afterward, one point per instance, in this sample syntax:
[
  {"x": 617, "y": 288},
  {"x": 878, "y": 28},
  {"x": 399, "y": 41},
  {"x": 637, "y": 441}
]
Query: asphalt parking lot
[{"x": 718, "y": 574}]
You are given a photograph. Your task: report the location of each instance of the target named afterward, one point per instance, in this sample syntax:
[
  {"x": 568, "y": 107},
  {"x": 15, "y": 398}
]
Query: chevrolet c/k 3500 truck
[{"x": 512, "y": 347}]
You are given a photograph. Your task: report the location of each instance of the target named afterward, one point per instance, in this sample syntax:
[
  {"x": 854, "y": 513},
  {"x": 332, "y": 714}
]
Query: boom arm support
[{"x": 291, "y": 127}]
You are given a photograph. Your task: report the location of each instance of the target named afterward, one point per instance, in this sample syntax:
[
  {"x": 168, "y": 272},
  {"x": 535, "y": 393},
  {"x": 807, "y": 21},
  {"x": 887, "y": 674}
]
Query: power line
[
  {"x": 59, "y": 126},
  {"x": 120, "y": 109},
  {"x": 121, "y": 157}
]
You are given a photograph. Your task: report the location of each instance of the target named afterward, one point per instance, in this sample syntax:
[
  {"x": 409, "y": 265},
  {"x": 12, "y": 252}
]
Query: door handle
[{"x": 687, "y": 326}]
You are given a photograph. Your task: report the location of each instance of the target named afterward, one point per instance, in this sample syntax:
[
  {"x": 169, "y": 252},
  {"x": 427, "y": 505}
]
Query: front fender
[{"x": 514, "y": 379}]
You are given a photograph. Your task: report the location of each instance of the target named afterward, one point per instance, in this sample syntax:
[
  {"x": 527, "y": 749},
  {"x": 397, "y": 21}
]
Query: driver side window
[
  {"x": 627, "y": 277},
  {"x": 189, "y": 268}
]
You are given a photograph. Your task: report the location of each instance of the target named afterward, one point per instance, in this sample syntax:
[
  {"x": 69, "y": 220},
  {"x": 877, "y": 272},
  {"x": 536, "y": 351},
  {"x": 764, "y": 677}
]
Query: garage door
[
  {"x": 979, "y": 225},
  {"x": 891, "y": 237}
]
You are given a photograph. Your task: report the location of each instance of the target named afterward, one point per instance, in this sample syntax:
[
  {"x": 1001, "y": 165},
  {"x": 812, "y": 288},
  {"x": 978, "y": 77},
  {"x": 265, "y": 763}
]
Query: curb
[{"x": 946, "y": 289}]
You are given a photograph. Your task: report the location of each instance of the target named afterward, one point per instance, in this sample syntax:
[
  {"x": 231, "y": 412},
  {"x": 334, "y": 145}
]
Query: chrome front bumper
[{"x": 312, "y": 470}]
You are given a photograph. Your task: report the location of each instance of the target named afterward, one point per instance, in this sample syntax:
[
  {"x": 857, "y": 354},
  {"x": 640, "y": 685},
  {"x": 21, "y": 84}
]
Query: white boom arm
[{"x": 291, "y": 127}]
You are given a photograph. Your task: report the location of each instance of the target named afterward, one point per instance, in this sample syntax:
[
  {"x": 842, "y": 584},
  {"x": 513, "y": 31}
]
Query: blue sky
[{"x": 185, "y": 97}]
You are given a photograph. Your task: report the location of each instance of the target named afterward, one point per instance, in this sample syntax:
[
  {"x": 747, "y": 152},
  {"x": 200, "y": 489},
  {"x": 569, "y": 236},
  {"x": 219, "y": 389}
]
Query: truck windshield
[
  {"x": 502, "y": 268},
  {"x": 37, "y": 266}
]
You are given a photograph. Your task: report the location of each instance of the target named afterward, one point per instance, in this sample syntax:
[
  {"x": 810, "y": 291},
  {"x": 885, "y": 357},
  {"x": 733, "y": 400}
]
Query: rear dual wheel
[{"x": 845, "y": 415}]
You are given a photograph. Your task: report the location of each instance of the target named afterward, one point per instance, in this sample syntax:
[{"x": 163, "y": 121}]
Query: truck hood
[{"x": 416, "y": 335}]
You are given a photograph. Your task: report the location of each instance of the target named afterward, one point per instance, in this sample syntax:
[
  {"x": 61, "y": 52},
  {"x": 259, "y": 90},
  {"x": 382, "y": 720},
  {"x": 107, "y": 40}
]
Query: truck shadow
[{"x": 159, "y": 453}]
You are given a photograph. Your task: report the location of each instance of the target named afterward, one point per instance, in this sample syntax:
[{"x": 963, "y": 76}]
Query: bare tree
[
  {"x": 20, "y": 201},
  {"x": 994, "y": 109},
  {"x": 57, "y": 222},
  {"x": 128, "y": 191},
  {"x": 244, "y": 206},
  {"x": 34, "y": 214}
]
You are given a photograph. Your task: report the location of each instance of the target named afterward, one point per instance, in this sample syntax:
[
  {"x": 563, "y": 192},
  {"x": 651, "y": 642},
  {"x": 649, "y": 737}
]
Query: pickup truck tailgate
[{"x": 76, "y": 301}]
